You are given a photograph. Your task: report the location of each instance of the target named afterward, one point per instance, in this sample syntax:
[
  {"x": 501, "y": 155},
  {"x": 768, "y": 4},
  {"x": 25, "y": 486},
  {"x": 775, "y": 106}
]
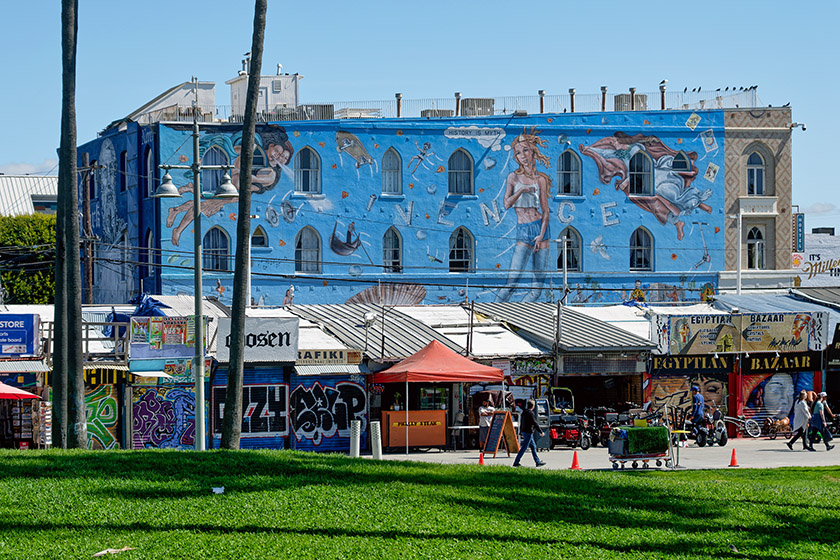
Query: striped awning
[
  {"x": 23, "y": 366},
  {"x": 331, "y": 369},
  {"x": 91, "y": 366}
]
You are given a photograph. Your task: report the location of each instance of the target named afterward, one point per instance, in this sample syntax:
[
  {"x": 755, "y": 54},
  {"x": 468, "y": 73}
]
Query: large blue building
[{"x": 446, "y": 209}]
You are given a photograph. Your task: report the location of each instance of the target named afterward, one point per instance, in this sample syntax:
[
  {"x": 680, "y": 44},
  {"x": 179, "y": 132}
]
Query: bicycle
[{"x": 743, "y": 424}]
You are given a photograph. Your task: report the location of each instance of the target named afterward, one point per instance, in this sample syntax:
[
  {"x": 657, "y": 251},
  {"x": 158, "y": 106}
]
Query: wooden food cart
[{"x": 426, "y": 428}]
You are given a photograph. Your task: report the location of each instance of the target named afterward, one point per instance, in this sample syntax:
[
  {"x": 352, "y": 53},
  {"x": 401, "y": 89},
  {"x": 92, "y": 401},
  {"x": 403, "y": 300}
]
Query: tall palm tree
[
  {"x": 232, "y": 426},
  {"x": 68, "y": 379}
]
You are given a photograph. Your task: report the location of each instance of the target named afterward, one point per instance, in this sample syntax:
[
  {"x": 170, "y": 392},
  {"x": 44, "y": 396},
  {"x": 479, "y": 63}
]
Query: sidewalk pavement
[{"x": 760, "y": 453}]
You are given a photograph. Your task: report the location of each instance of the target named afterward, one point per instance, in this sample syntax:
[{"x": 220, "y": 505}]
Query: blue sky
[{"x": 130, "y": 52}]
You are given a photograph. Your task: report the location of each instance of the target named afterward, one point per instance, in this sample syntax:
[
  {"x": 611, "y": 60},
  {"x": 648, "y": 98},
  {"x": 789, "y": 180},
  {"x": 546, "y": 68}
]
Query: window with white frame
[
  {"x": 392, "y": 251},
  {"x": 150, "y": 172},
  {"x": 572, "y": 243},
  {"x": 460, "y": 172},
  {"x": 640, "y": 174},
  {"x": 755, "y": 175},
  {"x": 216, "y": 250},
  {"x": 461, "y": 250},
  {"x": 307, "y": 172},
  {"x": 755, "y": 249},
  {"x": 568, "y": 173},
  {"x": 391, "y": 172},
  {"x": 308, "y": 251},
  {"x": 641, "y": 250}
]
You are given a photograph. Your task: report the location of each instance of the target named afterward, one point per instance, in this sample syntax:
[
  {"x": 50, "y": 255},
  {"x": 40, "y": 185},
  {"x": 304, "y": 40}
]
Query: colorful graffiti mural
[
  {"x": 321, "y": 412},
  {"x": 163, "y": 417},
  {"x": 265, "y": 412},
  {"x": 102, "y": 409}
]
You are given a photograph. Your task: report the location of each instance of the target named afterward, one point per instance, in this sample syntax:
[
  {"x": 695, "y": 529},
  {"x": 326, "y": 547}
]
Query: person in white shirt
[{"x": 485, "y": 418}]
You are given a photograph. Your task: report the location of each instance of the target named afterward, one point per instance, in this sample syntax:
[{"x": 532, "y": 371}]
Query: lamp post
[{"x": 225, "y": 190}]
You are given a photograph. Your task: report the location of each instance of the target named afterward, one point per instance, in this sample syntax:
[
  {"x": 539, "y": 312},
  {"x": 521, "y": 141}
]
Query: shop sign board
[
  {"x": 317, "y": 357},
  {"x": 774, "y": 363},
  {"x": 267, "y": 339},
  {"x": 689, "y": 365},
  {"x": 19, "y": 335},
  {"x": 742, "y": 332}
]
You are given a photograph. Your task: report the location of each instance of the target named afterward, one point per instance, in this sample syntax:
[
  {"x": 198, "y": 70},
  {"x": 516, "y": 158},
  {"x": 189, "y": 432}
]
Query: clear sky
[{"x": 129, "y": 52}]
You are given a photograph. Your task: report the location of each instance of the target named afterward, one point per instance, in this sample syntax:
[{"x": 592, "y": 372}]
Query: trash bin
[{"x": 543, "y": 442}]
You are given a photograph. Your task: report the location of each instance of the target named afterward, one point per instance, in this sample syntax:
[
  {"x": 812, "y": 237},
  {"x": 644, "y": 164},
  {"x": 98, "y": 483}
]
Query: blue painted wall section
[
  {"x": 322, "y": 409},
  {"x": 373, "y": 179},
  {"x": 265, "y": 408}
]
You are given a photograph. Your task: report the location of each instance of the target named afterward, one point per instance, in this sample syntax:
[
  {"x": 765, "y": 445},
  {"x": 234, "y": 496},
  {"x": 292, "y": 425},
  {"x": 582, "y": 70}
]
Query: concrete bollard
[
  {"x": 376, "y": 439},
  {"x": 355, "y": 437}
]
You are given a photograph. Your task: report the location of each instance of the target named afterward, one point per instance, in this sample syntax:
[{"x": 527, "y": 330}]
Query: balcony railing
[{"x": 466, "y": 106}]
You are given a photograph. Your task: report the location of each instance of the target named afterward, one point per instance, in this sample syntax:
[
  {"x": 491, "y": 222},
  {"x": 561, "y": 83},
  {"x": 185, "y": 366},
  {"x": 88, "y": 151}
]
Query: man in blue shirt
[{"x": 698, "y": 405}]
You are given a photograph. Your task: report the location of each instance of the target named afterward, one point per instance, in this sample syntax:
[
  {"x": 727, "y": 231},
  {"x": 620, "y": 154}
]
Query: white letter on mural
[
  {"x": 487, "y": 213},
  {"x": 561, "y": 212},
  {"x": 406, "y": 217},
  {"x": 610, "y": 219}
]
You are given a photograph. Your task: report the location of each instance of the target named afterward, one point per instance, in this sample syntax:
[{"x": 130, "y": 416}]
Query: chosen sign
[{"x": 267, "y": 339}]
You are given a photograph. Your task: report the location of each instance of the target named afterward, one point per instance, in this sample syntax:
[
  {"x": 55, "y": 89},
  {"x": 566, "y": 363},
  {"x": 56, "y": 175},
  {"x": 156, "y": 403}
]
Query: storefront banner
[
  {"x": 833, "y": 350},
  {"x": 164, "y": 337},
  {"x": 19, "y": 335},
  {"x": 742, "y": 332},
  {"x": 689, "y": 365},
  {"x": 772, "y": 363},
  {"x": 319, "y": 357},
  {"x": 267, "y": 339}
]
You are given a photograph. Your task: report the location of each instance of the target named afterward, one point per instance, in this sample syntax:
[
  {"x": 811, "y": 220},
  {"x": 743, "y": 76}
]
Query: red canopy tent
[{"x": 436, "y": 363}]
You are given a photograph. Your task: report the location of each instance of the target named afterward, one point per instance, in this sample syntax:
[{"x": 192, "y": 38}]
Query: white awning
[
  {"x": 332, "y": 369},
  {"x": 23, "y": 366},
  {"x": 158, "y": 374}
]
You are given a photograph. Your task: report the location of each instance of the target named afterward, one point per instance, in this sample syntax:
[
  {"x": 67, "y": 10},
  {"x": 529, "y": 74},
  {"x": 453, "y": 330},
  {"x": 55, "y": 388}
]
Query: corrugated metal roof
[
  {"x": 821, "y": 296},
  {"x": 331, "y": 369},
  {"x": 776, "y": 303},
  {"x": 579, "y": 332},
  {"x": 630, "y": 318},
  {"x": 16, "y": 192},
  {"x": 403, "y": 335},
  {"x": 489, "y": 339},
  {"x": 23, "y": 366}
]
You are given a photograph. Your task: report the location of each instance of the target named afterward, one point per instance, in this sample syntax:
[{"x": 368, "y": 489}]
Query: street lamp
[{"x": 225, "y": 190}]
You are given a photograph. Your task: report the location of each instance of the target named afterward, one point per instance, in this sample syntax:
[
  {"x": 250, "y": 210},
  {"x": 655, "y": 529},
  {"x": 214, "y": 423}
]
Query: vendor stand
[
  {"x": 16, "y": 417},
  {"x": 434, "y": 363}
]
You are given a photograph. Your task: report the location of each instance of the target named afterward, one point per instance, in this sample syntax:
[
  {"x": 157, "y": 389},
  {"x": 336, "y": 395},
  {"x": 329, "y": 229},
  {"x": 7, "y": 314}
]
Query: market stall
[
  {"x": 434, "y": 363},
  {"x": 15, "y": 417}
]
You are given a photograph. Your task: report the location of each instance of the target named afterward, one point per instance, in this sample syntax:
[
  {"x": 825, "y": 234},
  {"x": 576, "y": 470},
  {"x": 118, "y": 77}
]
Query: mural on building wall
[
  {"x": 675, "y": 391},
  {"x": 468, "y": 212},
  {"x": 266, "y": 171},
  {"x": 102, "y": 410},
  {"x": 772, "y": 395},
  {"x": 322, "y": 409},
  {"x": 265, "y": 411},
  {"x": 110, "y": 282},
  {"x": 163, "y": 417}
]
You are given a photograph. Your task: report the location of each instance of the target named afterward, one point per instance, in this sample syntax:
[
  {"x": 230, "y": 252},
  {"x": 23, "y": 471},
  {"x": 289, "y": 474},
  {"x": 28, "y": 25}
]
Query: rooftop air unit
[
  {"x": 477, "y": 106},
  {"x": 622, "y": 102},
  {"x": 427, "y": 113}
]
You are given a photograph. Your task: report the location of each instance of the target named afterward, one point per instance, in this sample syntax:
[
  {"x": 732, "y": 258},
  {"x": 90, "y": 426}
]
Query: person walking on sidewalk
[
  {"x": 818, "y": 420},
  {"x": 801, "y": 419},
  {"x": 527, "y": 426}
]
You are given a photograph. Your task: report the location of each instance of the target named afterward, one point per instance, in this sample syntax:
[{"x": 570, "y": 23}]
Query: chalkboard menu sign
[{"x": 501, "y": 432}]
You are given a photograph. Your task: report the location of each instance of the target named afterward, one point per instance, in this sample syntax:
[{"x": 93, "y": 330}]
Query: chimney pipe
[
  {"x": 279, "y": 69},
  {"x": 632, "y": 99},
  {"x": 662, "y": 96},
  {"x": 572, "y": 98},
  {"x": 244, "y": 66},
  {"x": 603, "y": 98},
  {"x": 399, "y": 104},
  {"x": 541, "y": 93},
  {"x": 457, "y": 103}
]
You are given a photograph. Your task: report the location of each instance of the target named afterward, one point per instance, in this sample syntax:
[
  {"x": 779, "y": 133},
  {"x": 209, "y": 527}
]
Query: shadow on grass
[{"x": 756, "y": 510}]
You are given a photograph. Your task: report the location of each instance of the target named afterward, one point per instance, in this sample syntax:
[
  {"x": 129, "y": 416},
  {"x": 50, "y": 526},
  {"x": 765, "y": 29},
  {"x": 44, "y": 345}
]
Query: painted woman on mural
[
  {"x": 526, "y": 191},
  {"x": 278, "y": 153}
]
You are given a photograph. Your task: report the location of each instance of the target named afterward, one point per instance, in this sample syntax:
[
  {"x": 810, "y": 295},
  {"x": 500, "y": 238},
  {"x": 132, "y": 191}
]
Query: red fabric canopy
[
  {"x": 438, "y": 364},
  {"x": 10, "y": 392}
]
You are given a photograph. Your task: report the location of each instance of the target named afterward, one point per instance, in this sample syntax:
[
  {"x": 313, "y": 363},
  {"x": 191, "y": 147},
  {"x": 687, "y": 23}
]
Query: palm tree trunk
[{"x": 232, "y": 426}]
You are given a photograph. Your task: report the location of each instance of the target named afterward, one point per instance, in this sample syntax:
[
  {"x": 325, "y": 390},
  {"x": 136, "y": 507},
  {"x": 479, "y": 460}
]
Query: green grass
[{"x": 277, "y": 504}]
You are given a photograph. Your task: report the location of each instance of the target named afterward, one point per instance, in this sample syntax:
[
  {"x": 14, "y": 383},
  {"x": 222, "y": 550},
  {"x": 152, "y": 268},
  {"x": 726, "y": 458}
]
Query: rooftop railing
[{"x": 469, "y": 106}]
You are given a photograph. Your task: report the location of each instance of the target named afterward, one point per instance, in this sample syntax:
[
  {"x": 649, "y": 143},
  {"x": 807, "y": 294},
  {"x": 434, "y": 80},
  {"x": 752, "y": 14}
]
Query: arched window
[
  {"x": 150, "y": 172},
  {"x": 216, "y": 253},
  {"x": 755, "y": 249},
  {"x": 123, "y": 175},
  {"x": 461, "y": 248},
  {"x": 147, "y": 256},
  {"x": 641, "y": 250},
  {"x": 568, "y": 173},
  {"x": 392, "y": 251},
  {"x": 391, "y": 172},
  {"x": 308, "y": 251},
  {"x": 93, "y": 191},
  {"x": 641, "y": 174},
  {"x": 755, "y": 175},
  {"x": 259, "y": 238},
  {"x": 212, "y": 178},
  {"x": 307, "y": 171},
  {"x": 259, "y": 160},
  {"x": 460, "y": 172},
  {"x": 681, "y": 162},
  {"x": 572, "y": 238}
]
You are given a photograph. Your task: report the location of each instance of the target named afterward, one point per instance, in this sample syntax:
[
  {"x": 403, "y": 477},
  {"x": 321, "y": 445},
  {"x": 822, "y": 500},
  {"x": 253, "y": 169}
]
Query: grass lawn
[{"x": 277, "y": 504}]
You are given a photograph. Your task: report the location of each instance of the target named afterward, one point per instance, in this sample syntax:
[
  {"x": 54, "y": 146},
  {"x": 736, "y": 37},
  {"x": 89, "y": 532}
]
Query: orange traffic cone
[
  {"x": 734, "y": 461},
  {"x": 481, "y": 458},
  {"x": 575, "y": 465}
]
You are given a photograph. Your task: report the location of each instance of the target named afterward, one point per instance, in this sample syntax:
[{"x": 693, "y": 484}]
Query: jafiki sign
[
  {"x": 267, "y": 339},
  {"x": 19, "y": 335}
]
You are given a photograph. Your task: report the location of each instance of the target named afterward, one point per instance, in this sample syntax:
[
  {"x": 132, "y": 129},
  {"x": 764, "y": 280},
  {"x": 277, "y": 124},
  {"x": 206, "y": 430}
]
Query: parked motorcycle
[
  {"x": 568, "y": 429},
  {"x": 709, "y": 432}
]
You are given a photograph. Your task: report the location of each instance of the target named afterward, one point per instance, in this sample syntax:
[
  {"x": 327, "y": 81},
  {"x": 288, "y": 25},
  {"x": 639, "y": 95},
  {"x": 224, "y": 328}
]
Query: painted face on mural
[
  {"x": 778, "y": 395},
  {"x": 277, "y": 155},
  {"x": 523, "y": 154}
]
